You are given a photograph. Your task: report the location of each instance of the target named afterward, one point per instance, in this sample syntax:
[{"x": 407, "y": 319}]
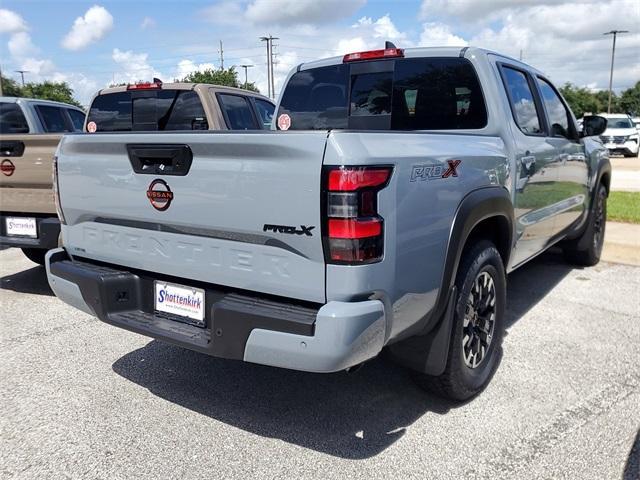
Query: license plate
[
  {"x": 180, "y": 300},
  {"x": 21, "y": 226}
]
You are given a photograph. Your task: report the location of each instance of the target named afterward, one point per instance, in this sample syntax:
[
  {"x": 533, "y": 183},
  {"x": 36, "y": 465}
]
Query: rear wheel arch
[{"x": 483, "y": 214}]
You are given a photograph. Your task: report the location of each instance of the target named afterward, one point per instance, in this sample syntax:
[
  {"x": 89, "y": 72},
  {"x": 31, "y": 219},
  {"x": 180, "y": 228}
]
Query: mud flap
[{"x": 428, "y": 353}]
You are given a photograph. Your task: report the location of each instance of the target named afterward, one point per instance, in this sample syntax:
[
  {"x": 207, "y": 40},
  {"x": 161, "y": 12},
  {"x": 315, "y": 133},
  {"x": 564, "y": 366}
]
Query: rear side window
[
  {"x": 437, "y": 94},
  {"x": 53, "y": 119},
  {"x": 237, "y": 112},
  {"x": 265, "y": 112},
  {"x": 411, "y": 94},
  {"x": 77, "y": 118},
  {"x": 12, "y": 119},
  {"x": 148, "y": 110},
  {"x": 522, "y": 102},
  {"x": 556, "y": 111}
]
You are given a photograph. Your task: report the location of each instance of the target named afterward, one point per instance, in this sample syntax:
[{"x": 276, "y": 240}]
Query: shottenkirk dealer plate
[
  {"x": 21, "y": 226},
  {"x": 180, "y": 300}
]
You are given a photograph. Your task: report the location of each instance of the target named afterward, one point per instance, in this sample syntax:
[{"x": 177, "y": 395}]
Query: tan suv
[
  {"x": 30, "y": 130},
  {"x": 178, "y": 106}
]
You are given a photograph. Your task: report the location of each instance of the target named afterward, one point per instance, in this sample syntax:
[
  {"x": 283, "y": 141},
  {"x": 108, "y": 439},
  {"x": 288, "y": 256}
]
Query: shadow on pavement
[
  {"x": 33, "y": 281},
  {"x": 352, "y": 416},
  {"x": 532, "y": 282},
  {"x": 632, "y": 467}
]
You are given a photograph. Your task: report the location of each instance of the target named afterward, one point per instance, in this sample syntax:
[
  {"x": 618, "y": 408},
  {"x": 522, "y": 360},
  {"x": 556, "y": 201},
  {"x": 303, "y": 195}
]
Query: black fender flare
[{"x": 427, "y": 350}]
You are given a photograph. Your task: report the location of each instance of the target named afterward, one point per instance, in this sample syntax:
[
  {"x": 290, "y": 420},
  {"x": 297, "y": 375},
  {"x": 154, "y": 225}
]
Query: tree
[
  {"x": 581, "y": 100},
  {"x": 630, "y": 100},
  {"x": 10, "y": 87},
  {"x": 227, "y": 77},
  {"x": 57, "y": 91}
]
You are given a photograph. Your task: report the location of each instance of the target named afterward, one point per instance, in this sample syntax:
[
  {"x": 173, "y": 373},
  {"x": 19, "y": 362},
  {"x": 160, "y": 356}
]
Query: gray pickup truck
[{"x": 397, "y": 191}]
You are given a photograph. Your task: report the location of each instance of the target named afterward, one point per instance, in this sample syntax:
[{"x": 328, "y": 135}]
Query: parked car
[
  {"x": 29, "y": 133},
  {"x": 385, "y": 213},
  {"x": 621, "y": 136},
  {"x": 178, "y": 106},
  {"x": 636, "y": 122}
]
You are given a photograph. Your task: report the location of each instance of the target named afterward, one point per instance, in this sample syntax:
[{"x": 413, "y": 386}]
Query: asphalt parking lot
[{"x": 81, "y": 399}]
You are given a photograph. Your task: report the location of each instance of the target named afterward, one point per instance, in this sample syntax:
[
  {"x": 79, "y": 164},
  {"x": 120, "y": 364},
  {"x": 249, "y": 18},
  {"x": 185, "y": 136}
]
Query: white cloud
[
  {"x": 292, "y": 12},
  {"x": 185, "y": 67},
  {"x": 479, "y": 9},
  {"x": 11, "y": 22},
  {"x": 39, "y": 68},
  {"x": 133, "y": 67},
  {"x": 147, "y": 22},
  {"x": 20, "y": 45},
  {"x": 439, "y": 35},
  {"x": 93, "y": 26},
  {"x": 226, "y": 12}
]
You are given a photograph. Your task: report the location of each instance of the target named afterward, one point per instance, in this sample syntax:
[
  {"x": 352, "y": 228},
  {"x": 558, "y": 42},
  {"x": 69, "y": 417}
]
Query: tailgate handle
[
  {"x": 160, "y": 159},
  {"x": 11, "y": 148}
]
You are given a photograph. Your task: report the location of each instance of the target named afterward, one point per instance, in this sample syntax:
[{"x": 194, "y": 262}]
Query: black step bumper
[{"x": 126, "y": 299}]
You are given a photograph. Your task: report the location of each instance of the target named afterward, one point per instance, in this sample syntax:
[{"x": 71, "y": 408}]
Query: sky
[{"x": 93, "y": 44}]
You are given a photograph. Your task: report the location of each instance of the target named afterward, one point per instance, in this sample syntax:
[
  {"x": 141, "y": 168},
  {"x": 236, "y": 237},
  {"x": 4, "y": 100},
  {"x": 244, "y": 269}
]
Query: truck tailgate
[
  {"x": 25, "y": 183},
  {"x": 223, "y": 221}
]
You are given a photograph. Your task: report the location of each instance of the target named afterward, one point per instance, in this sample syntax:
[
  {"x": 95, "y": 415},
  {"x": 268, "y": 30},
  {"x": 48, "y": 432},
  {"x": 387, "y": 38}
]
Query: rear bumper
[
  {"x": 48, "y": 229},
  {"x": 238, "y": 326}
]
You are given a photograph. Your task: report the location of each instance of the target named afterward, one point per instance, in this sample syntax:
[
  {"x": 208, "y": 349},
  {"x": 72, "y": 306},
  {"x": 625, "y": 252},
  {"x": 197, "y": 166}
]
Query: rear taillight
[
  {"x": 56, "y": 190},
  {"x": 145, "y": 86},
  {"x": 353, "y": 229}
]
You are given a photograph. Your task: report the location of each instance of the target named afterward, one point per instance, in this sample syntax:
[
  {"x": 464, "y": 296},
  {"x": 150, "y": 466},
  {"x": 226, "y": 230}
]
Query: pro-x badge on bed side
[{"x": 434, "y": 172}]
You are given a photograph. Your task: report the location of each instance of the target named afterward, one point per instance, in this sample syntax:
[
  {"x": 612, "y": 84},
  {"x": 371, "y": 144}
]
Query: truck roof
[
  {"x": 427, "y": 52},
  {"x": 188, "y": 86},
  {"x": 36, "y": 100}
]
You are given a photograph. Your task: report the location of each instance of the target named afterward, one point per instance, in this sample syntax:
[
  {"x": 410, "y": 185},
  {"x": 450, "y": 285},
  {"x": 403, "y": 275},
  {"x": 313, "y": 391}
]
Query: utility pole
[
  {"x": 613, "y": 54},
  {"x": 520, "y": 54},
  {"x": 221, "y": 56},
  {"x": 0, "y": 82},
  {"x": 245, "y": 74},
  {"x": 271, "y": 86},
  {"x": 22, "y": 72}
]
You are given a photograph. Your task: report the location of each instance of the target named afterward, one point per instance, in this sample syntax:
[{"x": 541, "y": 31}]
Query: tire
[
  {"x": 587, "y": 249},
  {"x": 480, "y": 266},
  {"x": 36, "y": 255}
]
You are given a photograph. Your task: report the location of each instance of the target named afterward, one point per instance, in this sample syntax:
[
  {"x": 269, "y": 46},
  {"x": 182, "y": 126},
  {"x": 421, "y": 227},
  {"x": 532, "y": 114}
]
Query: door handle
[
  {"x": 160, "y": 159},
  {"x": 11, "y": 148}
]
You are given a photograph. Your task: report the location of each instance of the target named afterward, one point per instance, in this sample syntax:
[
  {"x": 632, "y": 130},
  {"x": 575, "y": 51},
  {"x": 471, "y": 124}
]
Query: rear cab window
[
  {"x": 402, "y": 94},
  {"x": 12, "y": 120},
  {"x": 143, "y": 110}
]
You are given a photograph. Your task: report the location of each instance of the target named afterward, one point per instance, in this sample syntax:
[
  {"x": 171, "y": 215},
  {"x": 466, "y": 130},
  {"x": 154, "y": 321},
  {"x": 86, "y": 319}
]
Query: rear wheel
[
  {"x": 36, "y": 255},
  {"x": 586, "y": 249},
  {"x": 476, "y": 340}
]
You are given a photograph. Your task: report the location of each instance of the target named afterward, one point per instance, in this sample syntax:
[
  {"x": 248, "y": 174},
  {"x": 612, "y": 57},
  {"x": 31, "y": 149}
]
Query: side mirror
[{"x": 593, "y": 125}]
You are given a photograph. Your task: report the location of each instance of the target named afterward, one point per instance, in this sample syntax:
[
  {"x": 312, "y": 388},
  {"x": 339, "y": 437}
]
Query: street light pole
[
  {"x": 22, "y": 72},
  {"x": 613, "y": 54},
  {"x": 245, "y": 74}
]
